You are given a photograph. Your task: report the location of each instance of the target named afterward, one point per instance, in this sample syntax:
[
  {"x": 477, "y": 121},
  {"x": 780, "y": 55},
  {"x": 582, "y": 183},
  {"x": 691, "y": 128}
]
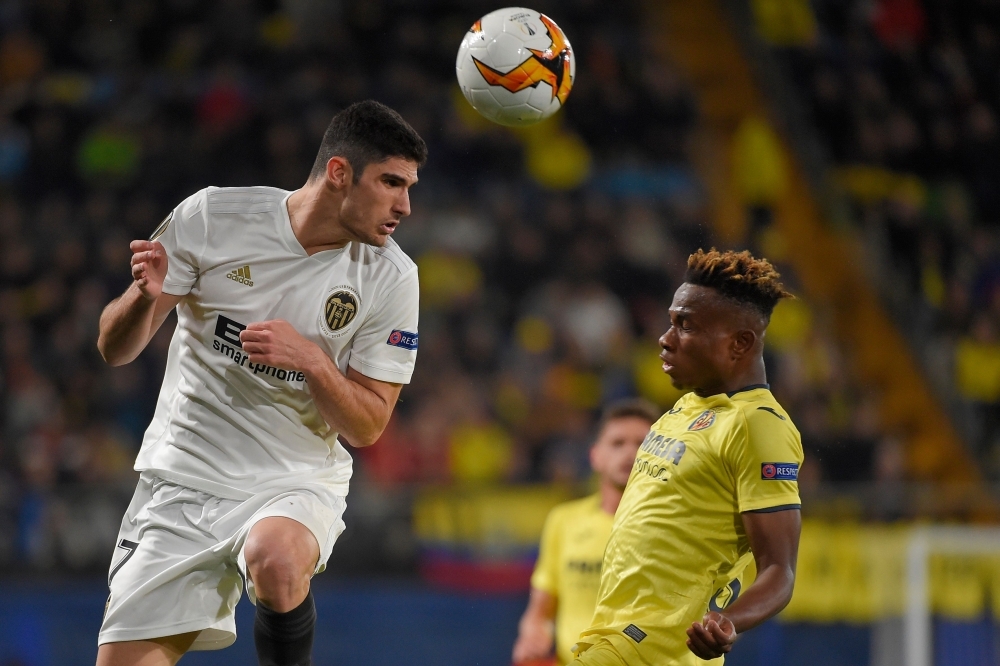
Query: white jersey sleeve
[
  {"x": 385, "y": 347},
  {"x": 184, "y": 235}
]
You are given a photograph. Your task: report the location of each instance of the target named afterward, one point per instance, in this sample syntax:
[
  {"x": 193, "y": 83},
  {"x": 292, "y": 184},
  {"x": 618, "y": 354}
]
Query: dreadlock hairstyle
[{"x": 739, "y": 276}]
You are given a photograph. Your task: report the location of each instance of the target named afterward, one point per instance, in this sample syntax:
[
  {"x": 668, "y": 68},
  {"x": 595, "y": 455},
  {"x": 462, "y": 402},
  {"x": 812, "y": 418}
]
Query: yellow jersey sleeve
[
  {"x": 546, "y": 574},
  {"x": 766, "y": 462}
]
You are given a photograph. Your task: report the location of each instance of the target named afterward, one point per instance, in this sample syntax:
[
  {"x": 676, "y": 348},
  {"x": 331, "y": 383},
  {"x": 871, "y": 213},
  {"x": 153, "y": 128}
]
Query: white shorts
[{"x": 178, "y": 564}]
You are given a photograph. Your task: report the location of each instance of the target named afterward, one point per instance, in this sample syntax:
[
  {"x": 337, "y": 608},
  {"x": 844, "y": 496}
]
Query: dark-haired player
[
  {"x": 296, "y": 322},
  {"x": 714, "y": 483}
]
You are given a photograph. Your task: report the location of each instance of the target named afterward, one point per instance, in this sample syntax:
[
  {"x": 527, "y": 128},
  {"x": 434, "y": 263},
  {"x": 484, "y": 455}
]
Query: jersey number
[{"x": 129, "y": 547}]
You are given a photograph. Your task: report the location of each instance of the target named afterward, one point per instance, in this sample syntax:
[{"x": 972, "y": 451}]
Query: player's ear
[
  {"x": 338, "y": 172},
  {"x": 595, "y": 458},
  {"x": 743, "y": 343}
]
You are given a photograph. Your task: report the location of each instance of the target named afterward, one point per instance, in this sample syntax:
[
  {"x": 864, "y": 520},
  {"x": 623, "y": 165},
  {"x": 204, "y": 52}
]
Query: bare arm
[
  {"x": 356, "y": 406},
  {"x": 535, "y": 630},
  {"x": 129, "y": 322},
  {"x": 774, "y": 541}
]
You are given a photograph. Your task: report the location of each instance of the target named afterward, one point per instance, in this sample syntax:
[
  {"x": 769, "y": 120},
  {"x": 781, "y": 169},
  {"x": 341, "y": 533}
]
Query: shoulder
[
  {"x": 574, "y": 509},
  {"x": 243, "y": 200},
  {"x": 195, "y": 203},
  {"x": 389, "y": 257},
  {"x": 765, "y": 414},
  {"x": 765, "y": 422}
]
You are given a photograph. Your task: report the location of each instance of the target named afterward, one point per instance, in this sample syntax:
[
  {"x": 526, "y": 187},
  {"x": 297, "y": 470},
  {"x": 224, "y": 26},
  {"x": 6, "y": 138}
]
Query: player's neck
[
  {"x": 315, "y": 219},
  {"x": 752, "y": 375},
  {"x": 611, "y": 497}
]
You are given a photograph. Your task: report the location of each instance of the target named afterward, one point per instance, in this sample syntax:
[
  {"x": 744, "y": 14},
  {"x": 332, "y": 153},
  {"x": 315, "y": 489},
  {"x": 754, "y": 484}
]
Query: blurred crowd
[
  {"x": 906, "y": 96},
  {"x": 547, "y": 256}
]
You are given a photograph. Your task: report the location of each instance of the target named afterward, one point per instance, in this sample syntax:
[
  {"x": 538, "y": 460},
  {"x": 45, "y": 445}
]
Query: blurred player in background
[
  {"x": 296, "y": 323},
  {"x": 714, "y": 483},
  {"x": 568, "y": 572}
]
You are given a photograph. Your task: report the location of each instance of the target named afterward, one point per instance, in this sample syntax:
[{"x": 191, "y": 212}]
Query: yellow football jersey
[
  {"x": 569, "y": 565},
  {"x": 678, "y": 538}
]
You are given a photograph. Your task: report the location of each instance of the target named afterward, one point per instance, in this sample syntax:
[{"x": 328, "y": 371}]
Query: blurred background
[{"x": 853, "y": 142}]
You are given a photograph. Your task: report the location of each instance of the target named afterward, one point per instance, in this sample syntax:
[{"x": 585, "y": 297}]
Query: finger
[
  {"x": 704, "y": 636},
  {"x": 257, "y": 326},
  {"x": 138, "y": 270},
  {"x": 698, "y": 635},
  {"x": 253, "y": 348},
  {"x": 148, "y": 255},
  {"x": 700, "y": 648},
  {"x": 697, "y": 651},
  {"x": 254, "y": 336},
  {"x": 721, "y": 636},
  {"x": 141, "y": 245}
]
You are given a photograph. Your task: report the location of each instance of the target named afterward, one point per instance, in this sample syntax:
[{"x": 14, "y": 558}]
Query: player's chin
[
  {"x": 677, "y": 381},
  {"x": 378, "y": 239}
]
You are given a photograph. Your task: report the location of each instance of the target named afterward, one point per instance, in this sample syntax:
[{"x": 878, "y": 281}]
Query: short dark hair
[
  {"x": 368, "y": 132},
  {"x": 739, "y": 276},
  {"x": 628, "y": 408}
]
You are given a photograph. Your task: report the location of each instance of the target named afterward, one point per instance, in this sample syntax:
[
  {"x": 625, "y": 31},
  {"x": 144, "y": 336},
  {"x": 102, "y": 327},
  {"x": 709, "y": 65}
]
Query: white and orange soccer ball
[{"x": 515, "y": 66}]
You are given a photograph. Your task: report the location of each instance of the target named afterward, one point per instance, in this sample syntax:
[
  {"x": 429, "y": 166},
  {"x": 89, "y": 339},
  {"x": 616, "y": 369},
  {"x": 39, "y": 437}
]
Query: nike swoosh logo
[{"x": 768, "y": 409}]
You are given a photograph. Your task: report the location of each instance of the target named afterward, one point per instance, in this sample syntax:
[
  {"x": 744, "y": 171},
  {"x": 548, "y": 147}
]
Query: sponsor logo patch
[
  {"x": 228, "y": 333},
  {"x": 704, "y": 420},
  {"x": 403, "y": 339},
  {"x": 779, "y": 471},
  {"x": 634, "y": 632}
]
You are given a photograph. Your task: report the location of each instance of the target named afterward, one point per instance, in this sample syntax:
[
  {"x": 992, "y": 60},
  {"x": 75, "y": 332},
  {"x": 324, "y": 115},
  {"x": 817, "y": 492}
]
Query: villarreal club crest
[{"x": 515, "y": 66}]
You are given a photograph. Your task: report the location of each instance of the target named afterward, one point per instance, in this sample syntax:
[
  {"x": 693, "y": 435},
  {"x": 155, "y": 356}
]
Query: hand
[
  {"x": 149, "y": 267},
  {"x": 533, "y": 643},
  {"x": 712, "y": 637},
  {"x": 277, "y": 343}
]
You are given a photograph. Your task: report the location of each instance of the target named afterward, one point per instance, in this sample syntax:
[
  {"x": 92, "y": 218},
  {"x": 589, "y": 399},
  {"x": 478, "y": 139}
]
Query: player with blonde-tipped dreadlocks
[{"x": 714, "y": 485}]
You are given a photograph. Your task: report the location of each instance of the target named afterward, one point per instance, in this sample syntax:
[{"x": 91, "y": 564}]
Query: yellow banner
[
  {"x": 846, "y": 572},
  {"x": 857, "y": 573}
]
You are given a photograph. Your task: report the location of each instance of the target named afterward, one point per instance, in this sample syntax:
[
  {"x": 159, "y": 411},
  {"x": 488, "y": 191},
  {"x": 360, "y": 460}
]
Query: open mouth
[{"x": 388, "y": 227}]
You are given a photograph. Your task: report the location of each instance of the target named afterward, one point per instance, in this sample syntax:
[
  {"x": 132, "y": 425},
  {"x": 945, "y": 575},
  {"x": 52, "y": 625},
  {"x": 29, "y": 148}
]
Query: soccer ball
[{"x": 515, "y": 66}]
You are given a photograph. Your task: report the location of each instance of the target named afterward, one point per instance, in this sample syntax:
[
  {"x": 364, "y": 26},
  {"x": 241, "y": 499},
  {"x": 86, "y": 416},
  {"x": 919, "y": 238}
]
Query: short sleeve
[
  {"x": 546, "y": 574},
  {"x": 385, "y": 347},
  {"x": 183, "y": 234},
  {"x": 767, "y": 463}
]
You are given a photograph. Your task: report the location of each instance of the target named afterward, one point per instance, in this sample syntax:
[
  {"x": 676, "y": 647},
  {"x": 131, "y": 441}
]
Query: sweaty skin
[{"x": 715, "y": 345}]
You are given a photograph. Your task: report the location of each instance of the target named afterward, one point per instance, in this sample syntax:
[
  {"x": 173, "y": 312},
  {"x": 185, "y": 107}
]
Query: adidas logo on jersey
[{"x": 241, "y": 275}]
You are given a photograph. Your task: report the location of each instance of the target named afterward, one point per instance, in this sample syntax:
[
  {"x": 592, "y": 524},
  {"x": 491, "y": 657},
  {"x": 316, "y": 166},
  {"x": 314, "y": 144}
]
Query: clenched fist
[
  {"x": 277, "y": 343},
  {"x": 712, "y": 637},
  {"x": 149, "y": 267}
]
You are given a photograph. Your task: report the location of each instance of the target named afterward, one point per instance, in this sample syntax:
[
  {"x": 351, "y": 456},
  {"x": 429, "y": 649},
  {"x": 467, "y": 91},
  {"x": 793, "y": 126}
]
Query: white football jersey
[{"x": 231, "y": 427}]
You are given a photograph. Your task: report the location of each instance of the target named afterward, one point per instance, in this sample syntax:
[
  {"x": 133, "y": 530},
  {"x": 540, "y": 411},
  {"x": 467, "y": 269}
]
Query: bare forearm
[
  {"x": 357, "y": 413},
  {"x": 770, "y": 593},
  {"x": 535, "y": 631},
  {"x": 125, "y": 326},
  {"x": 538, "y": 616},
  {"x": 534, "y": 623}
]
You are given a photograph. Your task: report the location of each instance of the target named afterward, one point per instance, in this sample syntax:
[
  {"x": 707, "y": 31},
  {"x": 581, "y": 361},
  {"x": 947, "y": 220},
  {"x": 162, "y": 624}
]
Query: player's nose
[
  {"x": 665, "y": 340},
  {"x": 402, "y": 205}
]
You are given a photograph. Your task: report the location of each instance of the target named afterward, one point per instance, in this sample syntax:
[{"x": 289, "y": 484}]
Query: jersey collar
[{"x": 752, "y": 387}]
